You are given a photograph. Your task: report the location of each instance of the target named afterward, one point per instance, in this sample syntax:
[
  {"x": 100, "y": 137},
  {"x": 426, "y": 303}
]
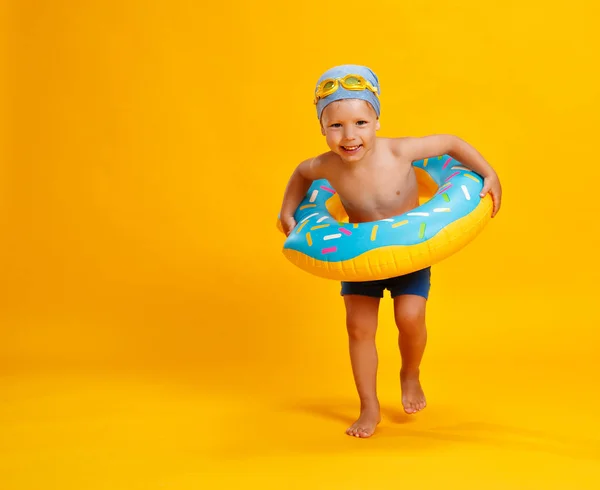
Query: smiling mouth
[{"x": 351, "y": 148}]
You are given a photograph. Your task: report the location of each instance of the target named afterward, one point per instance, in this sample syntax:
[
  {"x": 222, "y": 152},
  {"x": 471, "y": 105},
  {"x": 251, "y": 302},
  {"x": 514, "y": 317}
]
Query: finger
[
  {"x": 497, "y": 204},
  {"x": 485, "y": 190},
  {"x": 495, "y": 201}
]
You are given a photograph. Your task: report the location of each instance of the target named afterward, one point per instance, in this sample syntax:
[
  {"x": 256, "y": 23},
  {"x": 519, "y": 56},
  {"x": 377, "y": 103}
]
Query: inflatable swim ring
[{"x": 450, "y": 215}]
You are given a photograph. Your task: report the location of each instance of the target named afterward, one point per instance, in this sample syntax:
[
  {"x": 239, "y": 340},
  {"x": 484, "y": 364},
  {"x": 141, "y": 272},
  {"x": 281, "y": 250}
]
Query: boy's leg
[
  {"x": 361, "y": 323},
  {"x": 409, "y": 312},
  {"x": 410, "y": 295}
]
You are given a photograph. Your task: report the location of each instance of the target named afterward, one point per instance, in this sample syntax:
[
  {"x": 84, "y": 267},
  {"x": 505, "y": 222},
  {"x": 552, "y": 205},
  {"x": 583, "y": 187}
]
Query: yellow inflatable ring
[{"x": 450, "y": 215}]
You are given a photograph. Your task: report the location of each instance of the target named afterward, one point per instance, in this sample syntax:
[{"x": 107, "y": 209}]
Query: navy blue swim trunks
[{"x": 417, "y": 283}]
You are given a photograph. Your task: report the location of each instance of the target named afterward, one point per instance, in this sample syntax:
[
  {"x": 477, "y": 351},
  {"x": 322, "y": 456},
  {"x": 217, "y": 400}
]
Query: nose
[{"x": 348, "y": 134}]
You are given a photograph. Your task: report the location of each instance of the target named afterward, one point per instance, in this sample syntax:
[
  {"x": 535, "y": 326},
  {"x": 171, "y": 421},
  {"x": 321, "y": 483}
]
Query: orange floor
[
  {"x": 495, "y": 420},
  {"x": 109, "y": 431}
]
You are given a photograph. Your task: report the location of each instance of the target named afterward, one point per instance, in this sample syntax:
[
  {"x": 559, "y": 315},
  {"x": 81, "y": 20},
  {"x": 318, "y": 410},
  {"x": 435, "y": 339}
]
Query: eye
[
  {"x": 335, "y": 125},
  {"x": 362, "y": 123}
]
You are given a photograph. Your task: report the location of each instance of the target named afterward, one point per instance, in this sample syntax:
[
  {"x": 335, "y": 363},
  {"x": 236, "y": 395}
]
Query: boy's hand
[
  {"x": 288, "y": 223},
  {"x": 492, "y": 185}
]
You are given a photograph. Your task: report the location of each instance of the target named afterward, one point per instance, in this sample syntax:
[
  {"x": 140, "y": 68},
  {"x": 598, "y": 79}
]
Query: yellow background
[{"x": 154, "y": 336}]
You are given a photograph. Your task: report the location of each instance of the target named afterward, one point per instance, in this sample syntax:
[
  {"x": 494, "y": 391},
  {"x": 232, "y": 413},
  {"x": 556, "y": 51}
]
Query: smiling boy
[{"x": 375, "y": 180}]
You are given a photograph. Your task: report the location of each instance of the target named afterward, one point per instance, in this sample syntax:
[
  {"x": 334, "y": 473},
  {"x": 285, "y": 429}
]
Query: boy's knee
[
  {"x": 410, "y": 321},
  {"x": 360, "y": 330}
]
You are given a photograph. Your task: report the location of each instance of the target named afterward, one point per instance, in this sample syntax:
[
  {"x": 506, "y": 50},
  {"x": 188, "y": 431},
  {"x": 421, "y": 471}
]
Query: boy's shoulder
[
  {"x": 393, "y": 145},
  {"x": 319, "y": 167},
  {"x": 324, "y": 159},
  {"x": 396, "y": 144},
  {"x": 403, "y": 146}
]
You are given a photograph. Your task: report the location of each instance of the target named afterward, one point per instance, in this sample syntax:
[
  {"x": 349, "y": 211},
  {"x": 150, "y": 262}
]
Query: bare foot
[
  {"x": 366, "y": 423},
  {"x": 413, "y": 397}
]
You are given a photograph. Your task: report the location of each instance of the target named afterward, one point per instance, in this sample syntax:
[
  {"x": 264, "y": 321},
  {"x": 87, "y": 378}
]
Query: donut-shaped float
[{"x": 450, "y": 214}]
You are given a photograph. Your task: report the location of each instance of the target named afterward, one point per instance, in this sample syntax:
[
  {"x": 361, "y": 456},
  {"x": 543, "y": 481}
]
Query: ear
[
  {"x": 377, "y": 125},
  {"x": 322, "y": 130}
]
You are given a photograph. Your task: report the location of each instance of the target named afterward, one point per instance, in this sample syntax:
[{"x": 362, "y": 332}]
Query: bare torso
[{"x": 383, "y": 186}]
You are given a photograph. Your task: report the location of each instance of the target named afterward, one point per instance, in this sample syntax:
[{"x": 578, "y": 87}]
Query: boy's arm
[
  {"x": 297, "y": 187},
  {"x": 431, "y": 146}
]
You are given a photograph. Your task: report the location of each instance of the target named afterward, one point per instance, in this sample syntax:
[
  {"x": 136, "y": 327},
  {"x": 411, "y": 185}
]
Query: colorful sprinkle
[
  {"x": 332, "y": 237},
  {"x": 355, "y": 225},
  {"x": 309, "y": 217},
  {"x": 322, "y": 218},
  {"x": 440, "y": 157},
  {"x": 301, "y": 226},
  {"x": 422, "y": 230},
  {"x": 466, "y": 192},
  {"x": 329, "y": 250},
  {"x": 400, "y": 223},
  {"x": 390, "y": 220},
  {"x": 473, "y": 178},
  {"x": 309, "y": 239},
  {"x": 306, "y": 206},
  {"x": 425, "y": 162},
  {"x": 345, "y": 231},
  {"x": 446, "y": 163},
  {"x": 453, "y": 175},
  {"x": 313, "y": 196},
  {"x": 417, "y": 214},
  {"x": 328, "y": 189},
  {"x": 441, "y": 210},
  {"x": 374, "y": 232},
  {"x": 319, "y": 226},
  {"x": 445, "y": 187},
  {"x": 460, "y": 167},
  {"x": 446, "y": 197}
]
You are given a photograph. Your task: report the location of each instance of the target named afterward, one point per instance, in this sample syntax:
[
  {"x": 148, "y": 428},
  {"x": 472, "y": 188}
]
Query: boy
[{"x": 374, "y": 179}]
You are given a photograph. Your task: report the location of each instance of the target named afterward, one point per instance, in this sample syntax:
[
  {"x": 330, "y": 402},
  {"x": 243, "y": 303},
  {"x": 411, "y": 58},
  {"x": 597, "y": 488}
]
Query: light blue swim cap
[{"x": 341, "y": 93}]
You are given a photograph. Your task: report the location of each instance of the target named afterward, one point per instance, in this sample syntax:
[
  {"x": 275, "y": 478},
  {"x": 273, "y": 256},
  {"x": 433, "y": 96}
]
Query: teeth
[{"x": 351, "y": 147}]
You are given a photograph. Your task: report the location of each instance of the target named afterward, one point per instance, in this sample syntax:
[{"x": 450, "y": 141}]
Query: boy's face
[{"x": 349, "y": 127}]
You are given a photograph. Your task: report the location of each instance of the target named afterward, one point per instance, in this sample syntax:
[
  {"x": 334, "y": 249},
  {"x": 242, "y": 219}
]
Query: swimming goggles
[{"x": 349, "y": 82}]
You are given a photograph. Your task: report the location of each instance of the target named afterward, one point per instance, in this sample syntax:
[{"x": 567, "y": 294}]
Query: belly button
[{"x": 397, "y": 193}]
